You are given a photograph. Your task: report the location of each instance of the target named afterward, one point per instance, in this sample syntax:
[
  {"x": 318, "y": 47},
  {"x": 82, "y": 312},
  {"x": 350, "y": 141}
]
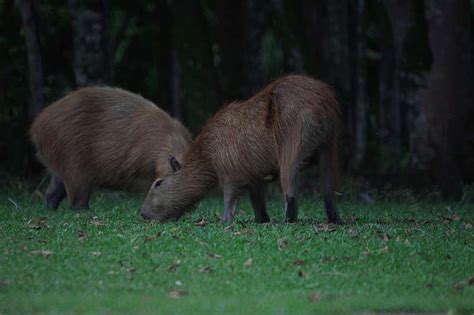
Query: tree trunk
[
  {"x": 359, "y": 83},
  {"x": 240, "y": 33},
  {"x": 29, "y": 12},
  {"x": 315, "y": 40},
  {"x": 286, "y": 16},
  {"x": 92, "y": 58},
  {"x": 448, "y": 95},
  {"x": 395, "y": 79},
  {"x": 209, "y": 45},
  {"x": 405, "y": 57},
  {"x": 231, "y": 44},
  {"x": 169, "y": 74},
  {"x": 253, "y": 28}
]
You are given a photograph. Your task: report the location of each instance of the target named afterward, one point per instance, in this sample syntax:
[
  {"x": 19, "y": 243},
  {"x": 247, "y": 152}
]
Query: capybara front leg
[
  {"x": 257, "y": 198},
  {"x": 231, "y": 198},
  {"x": 79, "y": 196},
  {"x": 55, "y": 193}
]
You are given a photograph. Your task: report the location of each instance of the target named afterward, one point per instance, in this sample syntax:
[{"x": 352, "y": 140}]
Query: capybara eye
[{"x": 157, "y": 183}]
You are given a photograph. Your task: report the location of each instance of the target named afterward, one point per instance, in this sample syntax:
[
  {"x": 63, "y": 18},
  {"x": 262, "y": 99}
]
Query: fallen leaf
[
  {"x": 299, "y": 262},
  {"x": 42, "y": 252},
  {"x": 177, "y": 293},
  {"x": 82, "y": 235},
  {"x": 95, "y": 221},
  {"x": 353, "y": 233},
  {"x": 205, "y": 269},
  {"x": 282, "y": 243},
  {"x": 315, "y": 297},
  {"x": 212, "y": 255},
  {"x": 248, "y": 263},
  {"x": 200, "y": 223},
  {"x": 325, "y": 227},
  {"x": 152, "y": 237},
  {"x": 352, "y": 219},
  {"x": 456, "y": 218},
  {"x": 174, "y": 266},
  {"x": 38, "y": 223}
]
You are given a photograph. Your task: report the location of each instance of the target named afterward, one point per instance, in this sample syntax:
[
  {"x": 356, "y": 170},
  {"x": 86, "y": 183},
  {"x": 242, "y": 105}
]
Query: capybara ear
[{"x": 175, "y": 166}]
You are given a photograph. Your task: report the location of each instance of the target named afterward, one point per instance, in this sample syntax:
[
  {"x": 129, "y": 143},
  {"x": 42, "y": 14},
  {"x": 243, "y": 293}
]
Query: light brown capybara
[
  {"x": 105, "y": 137},
  {"x": 273, "y": 133}
]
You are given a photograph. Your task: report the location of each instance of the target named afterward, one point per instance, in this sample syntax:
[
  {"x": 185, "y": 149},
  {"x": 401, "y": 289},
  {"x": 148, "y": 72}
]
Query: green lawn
[{"x": 394, "y": 255}]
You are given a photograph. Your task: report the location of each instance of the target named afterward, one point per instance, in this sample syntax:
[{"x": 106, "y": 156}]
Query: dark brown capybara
[
  {"x": 106, "y": 137},
  {"x": 273, "y": 133}
]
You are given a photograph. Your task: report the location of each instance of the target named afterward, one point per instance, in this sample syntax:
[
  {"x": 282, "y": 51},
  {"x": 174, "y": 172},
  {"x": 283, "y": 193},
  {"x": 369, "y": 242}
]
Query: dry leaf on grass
[
  {"x": 205, "y": 269},
  {"x": 38, "y": 223},
  {"x": 42, "y": 252},
  {"x": 315, "y": 297},
  {"x": 212, "y": 255},
  {"x": 200, "y": 223},
  {"x": 95, "y": 221},
  {"x": 152, "y": 237},
  {"x": 82, "y": 235},
  {"x": 248, "y": 263},
  {"x": 174, "y": 266},
  {"x": 282, "y": 243},
  {"x": 177, "y": 293},
  {"x": 325, "y": 227},
  {"x": 353, "y": 233},
  {"x": 299, "y": 262}
]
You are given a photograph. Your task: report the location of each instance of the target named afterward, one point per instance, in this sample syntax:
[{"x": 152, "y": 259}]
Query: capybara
[
  {"x": 273, "y": 133},
  {"x": 105, "y": 137}
]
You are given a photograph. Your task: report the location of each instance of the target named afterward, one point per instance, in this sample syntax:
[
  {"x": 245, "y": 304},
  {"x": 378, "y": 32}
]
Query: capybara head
[{"x": 165, "y": 201}]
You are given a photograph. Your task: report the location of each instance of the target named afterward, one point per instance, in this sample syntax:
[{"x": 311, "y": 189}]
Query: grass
[{"x": 397, "y": 254}]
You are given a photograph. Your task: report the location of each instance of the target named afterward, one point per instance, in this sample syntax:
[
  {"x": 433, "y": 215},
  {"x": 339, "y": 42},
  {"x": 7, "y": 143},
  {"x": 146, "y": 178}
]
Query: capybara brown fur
[
  {"x": 105, "y": 137},
  {"x": 276, "y": 132}
]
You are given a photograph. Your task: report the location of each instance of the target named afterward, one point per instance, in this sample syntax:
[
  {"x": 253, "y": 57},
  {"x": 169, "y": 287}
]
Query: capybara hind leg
[
  {"x": 257, "y": 198},
  {"x": 79, "y": 196},
  {"x": 288, "y": 173},
  {"x": 231, "y": 198},
  {"x": 329, "y": 174},
  {"x": 56, "y": 192}
]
